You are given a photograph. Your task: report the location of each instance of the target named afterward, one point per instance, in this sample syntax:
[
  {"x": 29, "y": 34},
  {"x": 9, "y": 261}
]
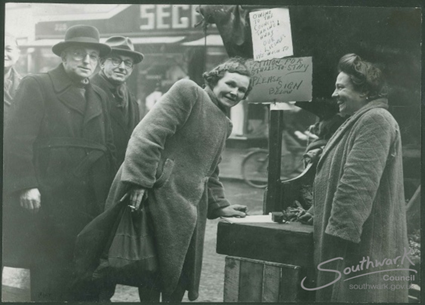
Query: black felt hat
[{"x": 81, "y": 35}]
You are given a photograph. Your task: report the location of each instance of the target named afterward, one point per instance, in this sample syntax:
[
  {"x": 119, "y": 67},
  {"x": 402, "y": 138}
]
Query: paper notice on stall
[
  {"x": 281, "y": 80},
  {"x": 271, "y": 33},
  {"x": 250, "y": 219}
]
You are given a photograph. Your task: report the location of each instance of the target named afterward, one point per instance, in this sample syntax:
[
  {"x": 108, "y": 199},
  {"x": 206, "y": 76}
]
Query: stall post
[{"x": 272, "y": 200}]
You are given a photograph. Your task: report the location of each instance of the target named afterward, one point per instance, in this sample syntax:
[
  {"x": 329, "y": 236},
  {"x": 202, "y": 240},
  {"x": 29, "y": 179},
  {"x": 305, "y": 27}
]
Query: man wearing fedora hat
[
  {"x": 60, "y": 156},
  {"x": 115, "y": 69}
]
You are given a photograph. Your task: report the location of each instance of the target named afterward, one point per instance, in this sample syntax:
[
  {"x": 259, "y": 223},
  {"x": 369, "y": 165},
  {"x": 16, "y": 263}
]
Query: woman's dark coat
[
  {"x": 63, "y": 146},
  {"x": 121, "y": 128},
  {"x": 359, "y": 210}
]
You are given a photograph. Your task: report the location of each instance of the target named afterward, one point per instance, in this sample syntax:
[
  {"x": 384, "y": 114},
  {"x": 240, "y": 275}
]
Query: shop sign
[
  {"x": 145, "y": 20},
  {"x": 56, "y": 29},
  {"x": 166, "y": 16},
  {"x": 281, "y": 80}
]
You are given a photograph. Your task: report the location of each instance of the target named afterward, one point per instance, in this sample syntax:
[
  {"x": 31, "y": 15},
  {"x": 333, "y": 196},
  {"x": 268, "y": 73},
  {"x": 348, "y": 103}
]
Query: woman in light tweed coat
[
  {"x": 359, "y": 206},
  {"x": 173, "y": 155}
]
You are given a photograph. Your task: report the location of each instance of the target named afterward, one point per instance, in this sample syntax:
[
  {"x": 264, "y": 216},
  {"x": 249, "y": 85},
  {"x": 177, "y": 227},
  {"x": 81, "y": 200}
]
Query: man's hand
[
  {"x": 136, "y": 196},
  {"x": 235, "y": 210},
  {"x": 31, "y": 200}
]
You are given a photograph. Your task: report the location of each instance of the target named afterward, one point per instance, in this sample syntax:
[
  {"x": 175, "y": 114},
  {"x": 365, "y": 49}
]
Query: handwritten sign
[
  {"x": 271, "y": 33},
  {"x": 281, "y": 80}
]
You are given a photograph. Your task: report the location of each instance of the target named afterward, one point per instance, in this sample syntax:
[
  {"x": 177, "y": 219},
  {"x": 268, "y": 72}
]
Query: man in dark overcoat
[
  {"x": 115, "y": 69},
  {"x": 123, "y": 110},
  {"x": 15, "y": 237},
  {"x": 60, "y": 159}
]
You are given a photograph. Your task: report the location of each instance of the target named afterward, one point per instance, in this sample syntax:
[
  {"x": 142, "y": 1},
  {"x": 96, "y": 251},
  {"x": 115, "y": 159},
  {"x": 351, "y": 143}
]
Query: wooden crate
[
  {"x": 266, "y": 262},
  {"x": 290, "y": 243},
  {"x": 250, "y": 280}
]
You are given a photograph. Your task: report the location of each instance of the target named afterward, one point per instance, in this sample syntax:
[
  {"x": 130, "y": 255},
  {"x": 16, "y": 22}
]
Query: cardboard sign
[
  {"x": 281, "y": 80},
  {"x": 271, "y": 33}
]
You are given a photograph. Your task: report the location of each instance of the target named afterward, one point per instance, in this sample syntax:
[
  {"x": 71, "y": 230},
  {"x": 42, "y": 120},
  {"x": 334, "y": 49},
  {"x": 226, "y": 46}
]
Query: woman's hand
[
  {"x": 235, "y": 210},
  {"x": 306, "y": 218},
  {"x": 31, "y": 200},
  {"x": 136, "y": 194}
]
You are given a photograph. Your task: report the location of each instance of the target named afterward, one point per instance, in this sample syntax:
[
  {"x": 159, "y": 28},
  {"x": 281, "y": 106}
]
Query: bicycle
[{"x": 254, "y": 166}]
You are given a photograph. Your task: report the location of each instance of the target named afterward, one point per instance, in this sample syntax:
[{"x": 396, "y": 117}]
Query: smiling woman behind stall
[
  {"x": 173, "y": 156},
  {"x": 359, "y": 206}
]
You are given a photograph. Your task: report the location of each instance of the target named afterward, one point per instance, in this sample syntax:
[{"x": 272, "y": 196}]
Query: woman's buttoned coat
[
  {"x": 174, "y": 152},
  {"x": 359, "y": 211}
]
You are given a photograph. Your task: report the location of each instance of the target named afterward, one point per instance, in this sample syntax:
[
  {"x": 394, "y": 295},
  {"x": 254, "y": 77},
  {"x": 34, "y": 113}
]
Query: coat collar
[
  {"x": 214, "y": 99},
  {"x": 100, "y": 81},
  {"x": 106, "y": 83},
  {"x": 117, "y": 114},
  {"x": 13, "y": 75},
  {"x": 94, "y": 104},
  {"x": 60, "y": 79},
  {"x": 69, "y": 94},
  {"x": 16, "y": 78},
  {"x": 346, "y": 126}
]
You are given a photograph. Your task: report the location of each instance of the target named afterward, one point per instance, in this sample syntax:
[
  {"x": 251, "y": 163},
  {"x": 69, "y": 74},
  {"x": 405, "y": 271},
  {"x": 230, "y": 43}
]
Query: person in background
[
  {"x": 15, "y": 236},
  {"x": 358, "y": 204},
  {"x": 152, "y": 98},
  {"x": 11, "y": 76},
  {"x": 115, "y": 69},
  {"x": 172, "y": 157},
  {"x": 60, "y": 160}
]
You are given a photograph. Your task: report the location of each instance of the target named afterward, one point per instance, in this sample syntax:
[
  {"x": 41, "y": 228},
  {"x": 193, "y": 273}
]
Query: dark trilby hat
[
  {"x": 83, "y": 35},
  {"x": 123, "y": 45}
]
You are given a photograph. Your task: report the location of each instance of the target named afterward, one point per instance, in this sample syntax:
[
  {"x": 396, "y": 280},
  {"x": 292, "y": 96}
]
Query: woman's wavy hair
[
  {"x": 233, "y": 65},
  {"x": 365, "y": 76}
]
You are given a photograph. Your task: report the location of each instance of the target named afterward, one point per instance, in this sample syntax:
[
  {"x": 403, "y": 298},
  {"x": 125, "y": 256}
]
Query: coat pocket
[{"x": 166, "y": 173}]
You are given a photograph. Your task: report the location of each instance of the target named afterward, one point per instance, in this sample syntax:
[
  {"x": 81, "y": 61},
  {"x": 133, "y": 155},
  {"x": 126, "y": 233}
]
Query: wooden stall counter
[{"x": 266, "y": 262}]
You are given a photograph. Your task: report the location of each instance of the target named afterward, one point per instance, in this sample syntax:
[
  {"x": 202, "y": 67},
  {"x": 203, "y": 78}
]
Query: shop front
[
  {"x": 158, "y": 31},
  {"x": 173, "y": 46}
]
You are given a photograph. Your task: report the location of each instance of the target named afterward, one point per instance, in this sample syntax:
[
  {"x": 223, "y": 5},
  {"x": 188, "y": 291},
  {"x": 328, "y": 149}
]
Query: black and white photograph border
[{"x": 248, "y": 261}]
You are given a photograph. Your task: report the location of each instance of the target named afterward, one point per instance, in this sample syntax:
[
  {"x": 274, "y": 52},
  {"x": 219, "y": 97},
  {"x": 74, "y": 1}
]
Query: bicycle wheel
[{"x": 255, "y": 168}]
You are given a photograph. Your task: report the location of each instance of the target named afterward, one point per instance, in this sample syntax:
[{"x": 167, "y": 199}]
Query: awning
[
  {"x": 69, "y": 12},
  {"x": 212, "y": 40},
  {"x": 135, "y": 40}
]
